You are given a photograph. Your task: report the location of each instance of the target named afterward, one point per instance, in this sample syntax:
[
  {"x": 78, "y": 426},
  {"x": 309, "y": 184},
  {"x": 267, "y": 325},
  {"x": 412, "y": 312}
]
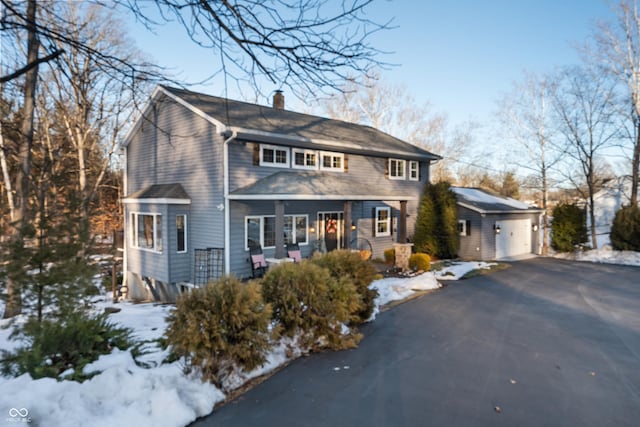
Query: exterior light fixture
[
  {"x": 535, "y": 227},
  {"x": 312, "y": 229},
  {"x": 353, "y": 226},
  {"x": 496, "y": 228}
]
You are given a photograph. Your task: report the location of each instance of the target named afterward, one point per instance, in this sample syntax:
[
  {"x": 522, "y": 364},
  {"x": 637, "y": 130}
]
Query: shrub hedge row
[{"x": 231, "y": 325}]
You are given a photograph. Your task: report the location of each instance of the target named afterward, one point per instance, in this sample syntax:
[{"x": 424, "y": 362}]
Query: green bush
[
  {"x": 625, "y": 230},
  {"x": 308, "y": 302},
  {"x": 390, "y": 256},
  {"x": 437, "y": 223},
  {"x": 347, "y": 265},
  {"x": 420, "y": 261},
  {"x": 568, "y": 227},
  {"x": 220, "y": 327},
  {"x": 68, "y": 343}
]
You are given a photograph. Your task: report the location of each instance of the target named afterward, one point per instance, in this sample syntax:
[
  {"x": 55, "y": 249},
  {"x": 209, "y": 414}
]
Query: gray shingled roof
[
  {"x": 161, "y": 191},
  {"x": 484, "y": 202},
  {"x": 350, "y": 137},
  {"x": 313, "y": 185}
]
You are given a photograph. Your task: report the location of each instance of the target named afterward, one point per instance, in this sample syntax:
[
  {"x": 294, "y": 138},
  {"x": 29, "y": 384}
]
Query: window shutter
[
  {"x": 419, "y": 172},
  {"x": 256, "y": 154},
  {"x": 392, "y": 217},
  {"x": 386, "y": 169},
  {"x": 467, "y": 228},
  {"x": 346, "y": 162}
]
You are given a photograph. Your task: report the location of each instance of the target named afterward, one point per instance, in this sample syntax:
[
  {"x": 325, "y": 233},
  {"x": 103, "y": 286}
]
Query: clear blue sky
[{"x": 459, "y": 55}]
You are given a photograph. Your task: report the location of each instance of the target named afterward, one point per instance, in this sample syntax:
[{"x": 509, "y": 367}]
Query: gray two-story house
[{"x": 208, "y": 178}]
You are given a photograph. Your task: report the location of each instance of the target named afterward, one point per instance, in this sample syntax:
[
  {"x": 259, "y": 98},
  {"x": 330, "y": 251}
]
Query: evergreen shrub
[
  {"x": 390, "y": 256},
  {"x": 568, "y": 227},
  {"x": 437, "y": 223},
  {"x": 420, "y": 261},
  {"x": 311, "y": 304},
  {"x": 348, "y": 265},
  {"x": 56, "y": 346},
  {"x": 625, "y": 230},
  {"x": 219, "y": 328}
]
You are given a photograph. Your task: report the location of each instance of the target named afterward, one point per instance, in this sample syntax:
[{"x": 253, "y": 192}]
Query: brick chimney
[{"x": 278, "y": 100}]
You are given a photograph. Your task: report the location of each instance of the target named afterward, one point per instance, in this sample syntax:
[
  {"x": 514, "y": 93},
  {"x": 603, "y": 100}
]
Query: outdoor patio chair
[
  {"x": 258, "y": 263},
  {"x": 293, "y": 251}
]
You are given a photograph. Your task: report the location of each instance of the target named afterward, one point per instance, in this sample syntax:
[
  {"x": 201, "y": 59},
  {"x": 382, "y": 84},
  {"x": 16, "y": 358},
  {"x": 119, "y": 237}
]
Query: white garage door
[{"x": 514, "y": 238}]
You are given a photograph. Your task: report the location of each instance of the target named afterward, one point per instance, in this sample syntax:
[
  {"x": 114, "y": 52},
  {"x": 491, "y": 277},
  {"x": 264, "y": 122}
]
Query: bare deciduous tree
[
  {"x": 619, "y": 49},
  {"x": 392, "y": 109},
  {"x": 526, "y": 116},
  {"x": 585, "y": 106}
]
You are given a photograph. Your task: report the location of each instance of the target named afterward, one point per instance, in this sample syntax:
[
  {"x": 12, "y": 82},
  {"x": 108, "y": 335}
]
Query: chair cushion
[
  {"x": 258, "y": 261},
  {"x": 296, "y": 255}
]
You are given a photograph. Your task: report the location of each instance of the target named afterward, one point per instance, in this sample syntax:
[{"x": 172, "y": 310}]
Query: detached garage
[{"x": 494, "y": 227}]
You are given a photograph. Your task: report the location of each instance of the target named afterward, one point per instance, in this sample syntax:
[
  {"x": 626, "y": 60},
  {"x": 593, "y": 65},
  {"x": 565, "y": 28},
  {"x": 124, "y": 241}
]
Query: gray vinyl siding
[
  {"x": 177, "y": 146},
  {"x": 471, "y": 246}
]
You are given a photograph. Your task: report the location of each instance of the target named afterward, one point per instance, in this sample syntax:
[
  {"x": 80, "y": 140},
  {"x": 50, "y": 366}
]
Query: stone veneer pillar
[{"x": 403, "y": 253}]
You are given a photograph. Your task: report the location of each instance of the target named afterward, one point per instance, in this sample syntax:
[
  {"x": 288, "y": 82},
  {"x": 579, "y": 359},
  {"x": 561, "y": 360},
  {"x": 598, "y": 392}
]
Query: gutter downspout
[
  {"x": 227, "y": 216},
  {"x": 125, "y": 238}
]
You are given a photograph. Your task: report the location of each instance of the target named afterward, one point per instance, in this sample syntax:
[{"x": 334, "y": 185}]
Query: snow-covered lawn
[
  {"x": 159, "y": 394},
  {"x": 605, "y": 255}
]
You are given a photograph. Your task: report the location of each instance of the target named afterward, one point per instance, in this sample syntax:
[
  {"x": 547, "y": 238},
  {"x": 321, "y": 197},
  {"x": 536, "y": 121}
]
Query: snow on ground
[
  {"x": 605, "y": 255},
  {"x": 159, "y": 394},
  {"x": 458, "y": 269}
]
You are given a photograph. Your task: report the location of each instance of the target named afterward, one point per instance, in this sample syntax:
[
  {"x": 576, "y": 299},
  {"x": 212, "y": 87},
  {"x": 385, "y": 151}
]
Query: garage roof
[{"x": 483, "y": 202}]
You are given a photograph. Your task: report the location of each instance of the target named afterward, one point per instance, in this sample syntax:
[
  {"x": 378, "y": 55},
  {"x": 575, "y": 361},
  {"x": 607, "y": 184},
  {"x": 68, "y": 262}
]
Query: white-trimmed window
[
  {"x": 274, "y": 156},
  {"x": 304, "y": 159},
  {"x": 331, "y": 161},
  {"x": 146, "y": 231},
  {"x": 181, "y": 233},
  {"x": 383, "y": 221},
  {"x": 397, "y": 169},
  {"x": 414, "y": 170},
  {"x": 464, "y": 227},
  {"x": 262, "y": 230}
]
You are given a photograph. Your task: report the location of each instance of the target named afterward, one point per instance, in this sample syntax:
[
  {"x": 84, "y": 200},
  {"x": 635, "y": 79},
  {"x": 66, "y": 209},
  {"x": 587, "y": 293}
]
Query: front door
[{"x": 330, "y": 228}]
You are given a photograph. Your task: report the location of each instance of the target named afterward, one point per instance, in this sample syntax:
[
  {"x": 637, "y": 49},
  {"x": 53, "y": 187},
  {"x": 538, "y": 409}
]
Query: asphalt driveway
[{"x": 545, "y": 342}]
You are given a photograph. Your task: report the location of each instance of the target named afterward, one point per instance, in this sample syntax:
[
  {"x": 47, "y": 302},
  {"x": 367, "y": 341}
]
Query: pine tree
[
  {"x": 510, "y": 186},
  {"x": 625, "y": 230},
  {"x": 568, "y": 228}
]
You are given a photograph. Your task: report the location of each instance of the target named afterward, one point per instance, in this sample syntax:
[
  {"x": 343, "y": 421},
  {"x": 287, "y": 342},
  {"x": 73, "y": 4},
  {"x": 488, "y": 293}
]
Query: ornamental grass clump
[
  {"x": 220, "y": 328},
  {"x": 312, "y": 306}
]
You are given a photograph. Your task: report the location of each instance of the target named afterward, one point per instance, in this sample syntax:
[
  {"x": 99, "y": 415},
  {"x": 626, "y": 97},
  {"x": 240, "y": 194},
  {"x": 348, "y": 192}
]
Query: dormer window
[
  {"x": 271, "y": 155},
  {"x": 304, "y": 159},
  {"x": 397, "y": 169},
  {"x": 331, "y": 161}
]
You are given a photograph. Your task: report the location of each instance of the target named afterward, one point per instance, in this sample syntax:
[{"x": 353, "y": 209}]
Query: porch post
[
  {"x": 402, "y": 226},
  {"x": 279, "y": 208},
  {"x": 347, "y": 224}
]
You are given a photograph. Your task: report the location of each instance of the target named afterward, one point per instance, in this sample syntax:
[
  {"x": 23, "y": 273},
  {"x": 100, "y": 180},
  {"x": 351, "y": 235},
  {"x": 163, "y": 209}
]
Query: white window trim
[
  {"x": 274, "y": 148},
  {"x": 304, "y": 152},
  {"x": 463, "y": 227},
  {"x": 403, "y": 168},
  {"x": 388, "y": 221},
  {"x": 414, "y": 166},
  {"x": 262, "y": 217},
  {"x": 134, "y": 226},
  {"x": 185, "y": 235},
  {"x": 333, "y": 154}
]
